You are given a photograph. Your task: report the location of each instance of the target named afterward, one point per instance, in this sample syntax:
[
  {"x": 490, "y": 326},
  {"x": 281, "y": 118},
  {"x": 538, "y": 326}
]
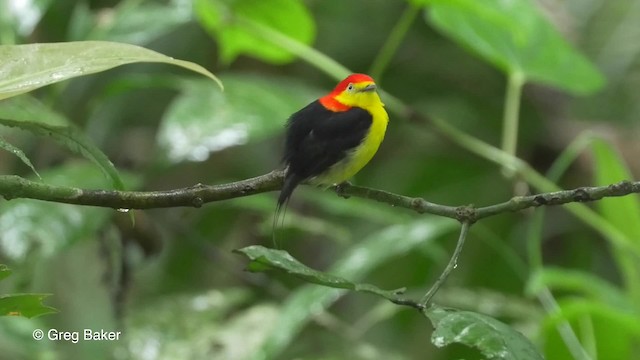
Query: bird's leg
[{"x": 340, "y": 189}]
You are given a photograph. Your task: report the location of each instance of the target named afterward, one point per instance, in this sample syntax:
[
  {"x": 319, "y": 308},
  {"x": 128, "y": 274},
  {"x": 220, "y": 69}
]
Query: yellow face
[{"x": 360, "y": 94}]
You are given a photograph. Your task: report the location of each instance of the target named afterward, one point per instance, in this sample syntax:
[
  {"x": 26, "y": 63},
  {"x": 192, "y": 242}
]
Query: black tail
[{"x": 291, "y": 181}]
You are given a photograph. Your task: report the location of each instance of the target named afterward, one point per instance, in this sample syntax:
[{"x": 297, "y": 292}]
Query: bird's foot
[{"x": 341, "y": 188}]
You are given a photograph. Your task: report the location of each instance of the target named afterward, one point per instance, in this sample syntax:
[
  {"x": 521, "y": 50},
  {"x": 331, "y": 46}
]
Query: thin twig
[{"x": 453, "y": 263}]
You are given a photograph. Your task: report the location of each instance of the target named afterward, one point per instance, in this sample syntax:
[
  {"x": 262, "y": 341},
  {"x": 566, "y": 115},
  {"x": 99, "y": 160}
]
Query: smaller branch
[
  {"x": 408, "y": 302},
  {"x": 453, "y": 263},
  {"x": 472, "y": 214},
  {"x": 583, "y": 194}
]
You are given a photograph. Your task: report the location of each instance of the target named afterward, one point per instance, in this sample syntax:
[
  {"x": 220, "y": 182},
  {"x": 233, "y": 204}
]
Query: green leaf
[
  {"x": 28, "y": 67},
  {"x": 574, "y": 280},
  {"x": 28, "y": 114},
  {"x": 4, "y": 271},
  {"x": 621, "y": 212},
  {"x": 204, "y": 120},
  {"x": 27, "y": 305},
  {"x": 263, "y": 258},
  {"x": 616, "y": 330},
  {"x": 515, "y": 37},
  {"x": 358, "y": 261},
  {"x": 493, "y": 338},
  {"x": 289, "y": 17},
  {"x": 575, "y": 309},
  {"x": 44, "y": 228},
  {"x": 19, "y": 153}
]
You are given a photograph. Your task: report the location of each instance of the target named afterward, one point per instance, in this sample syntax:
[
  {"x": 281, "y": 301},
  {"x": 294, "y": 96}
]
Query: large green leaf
[
  {"x": 289, "y": 17},
  {"x": 493, "y": 338},
  {"x": 27, "y": 113},
  {"x": 28, "y": 67},
  {"x": 265, "y": 259},
  {"x": 203, "y": 120},
  {"x": 358, "y": 261},
  {"x": 516, "y": 38}
]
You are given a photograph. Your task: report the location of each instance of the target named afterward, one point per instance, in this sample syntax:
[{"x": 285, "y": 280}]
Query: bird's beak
[{"x": 370, "y": 87}]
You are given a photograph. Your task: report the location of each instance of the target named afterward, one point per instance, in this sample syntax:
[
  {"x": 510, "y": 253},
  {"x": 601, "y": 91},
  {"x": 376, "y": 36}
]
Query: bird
[{"x": 331, "y": 139}]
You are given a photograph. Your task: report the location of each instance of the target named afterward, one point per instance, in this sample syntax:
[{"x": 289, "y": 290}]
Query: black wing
[{"x": 318, "y": 138}]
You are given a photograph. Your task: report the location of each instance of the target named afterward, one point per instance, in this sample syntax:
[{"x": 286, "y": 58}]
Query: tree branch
[{"x": 12, "y": 187}]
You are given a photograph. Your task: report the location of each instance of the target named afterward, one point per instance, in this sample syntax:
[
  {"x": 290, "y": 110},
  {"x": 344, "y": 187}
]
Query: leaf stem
[
  {"x": 569, "y": 337},
  {"x": 555, "y": 172},
  {"x": 394, "y": 40},
  {"x": 511, "y": 115},
  {"x": 534, "y": 246},
  {"x": 453, "y": 263},
  {"x": 321, "y": 61}
]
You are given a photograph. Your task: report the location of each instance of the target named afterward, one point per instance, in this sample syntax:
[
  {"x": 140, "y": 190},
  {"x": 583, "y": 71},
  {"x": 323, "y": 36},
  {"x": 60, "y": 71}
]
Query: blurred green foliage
[
  {"x": 27, "y": 305},
  {"x": 171, "y": 284}
]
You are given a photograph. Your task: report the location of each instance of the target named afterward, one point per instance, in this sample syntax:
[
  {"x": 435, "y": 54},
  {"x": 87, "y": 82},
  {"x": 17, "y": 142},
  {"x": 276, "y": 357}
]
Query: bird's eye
[{"x": 350, "y": 87}]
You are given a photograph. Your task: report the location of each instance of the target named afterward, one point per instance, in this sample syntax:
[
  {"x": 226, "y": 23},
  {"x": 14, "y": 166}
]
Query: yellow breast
[{"x": 361, "y": 155}]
